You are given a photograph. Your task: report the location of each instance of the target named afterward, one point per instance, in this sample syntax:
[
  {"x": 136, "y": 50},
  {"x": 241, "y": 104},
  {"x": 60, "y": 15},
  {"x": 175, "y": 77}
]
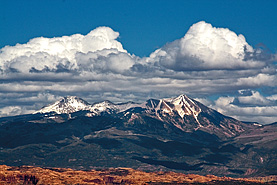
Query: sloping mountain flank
[{"x": 170, "y": 134}]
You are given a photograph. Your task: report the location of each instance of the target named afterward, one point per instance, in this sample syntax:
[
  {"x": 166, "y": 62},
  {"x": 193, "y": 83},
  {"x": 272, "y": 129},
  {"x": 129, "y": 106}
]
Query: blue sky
[
  {"x": 220, "y": 52},
  {"x": 143, "y": 25}
]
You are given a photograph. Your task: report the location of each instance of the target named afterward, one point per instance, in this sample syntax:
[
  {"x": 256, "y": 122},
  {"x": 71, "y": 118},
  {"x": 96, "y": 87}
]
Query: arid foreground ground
[{"x": 36, "y": 175}]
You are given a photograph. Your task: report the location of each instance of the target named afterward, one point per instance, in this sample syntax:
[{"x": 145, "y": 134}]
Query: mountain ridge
[
  {"x": 155, "y": 135},
  {"x": 181, "y": 111}
]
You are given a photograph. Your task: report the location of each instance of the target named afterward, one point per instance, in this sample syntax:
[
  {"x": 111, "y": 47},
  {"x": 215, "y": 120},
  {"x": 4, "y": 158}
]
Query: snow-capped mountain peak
[
  {"x": 71, "y": 104},
  {"x": 66, "y": 105},
  {"x": 184, "y": 105},
  {"x": 103, "y": 106}
]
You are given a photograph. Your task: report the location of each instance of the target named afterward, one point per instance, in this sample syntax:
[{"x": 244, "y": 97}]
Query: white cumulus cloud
[
  {"x": 49, "y": 52},
  {"x": 206, "y": 47}
]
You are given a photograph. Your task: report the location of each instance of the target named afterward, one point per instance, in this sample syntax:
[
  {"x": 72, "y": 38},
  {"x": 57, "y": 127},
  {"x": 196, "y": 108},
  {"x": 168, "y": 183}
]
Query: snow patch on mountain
[
  {"x": 182, "y": 105},
  {"x": 66, "y": 105},
  {"x": 103, "y": 106}
]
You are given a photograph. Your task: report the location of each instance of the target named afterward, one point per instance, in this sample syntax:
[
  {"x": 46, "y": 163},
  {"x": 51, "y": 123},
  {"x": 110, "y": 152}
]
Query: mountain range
[{"x": 172, "y": 134}]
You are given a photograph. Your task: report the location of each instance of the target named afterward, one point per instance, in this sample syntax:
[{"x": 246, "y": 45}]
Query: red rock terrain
[{"x": 37, "y": 175}]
